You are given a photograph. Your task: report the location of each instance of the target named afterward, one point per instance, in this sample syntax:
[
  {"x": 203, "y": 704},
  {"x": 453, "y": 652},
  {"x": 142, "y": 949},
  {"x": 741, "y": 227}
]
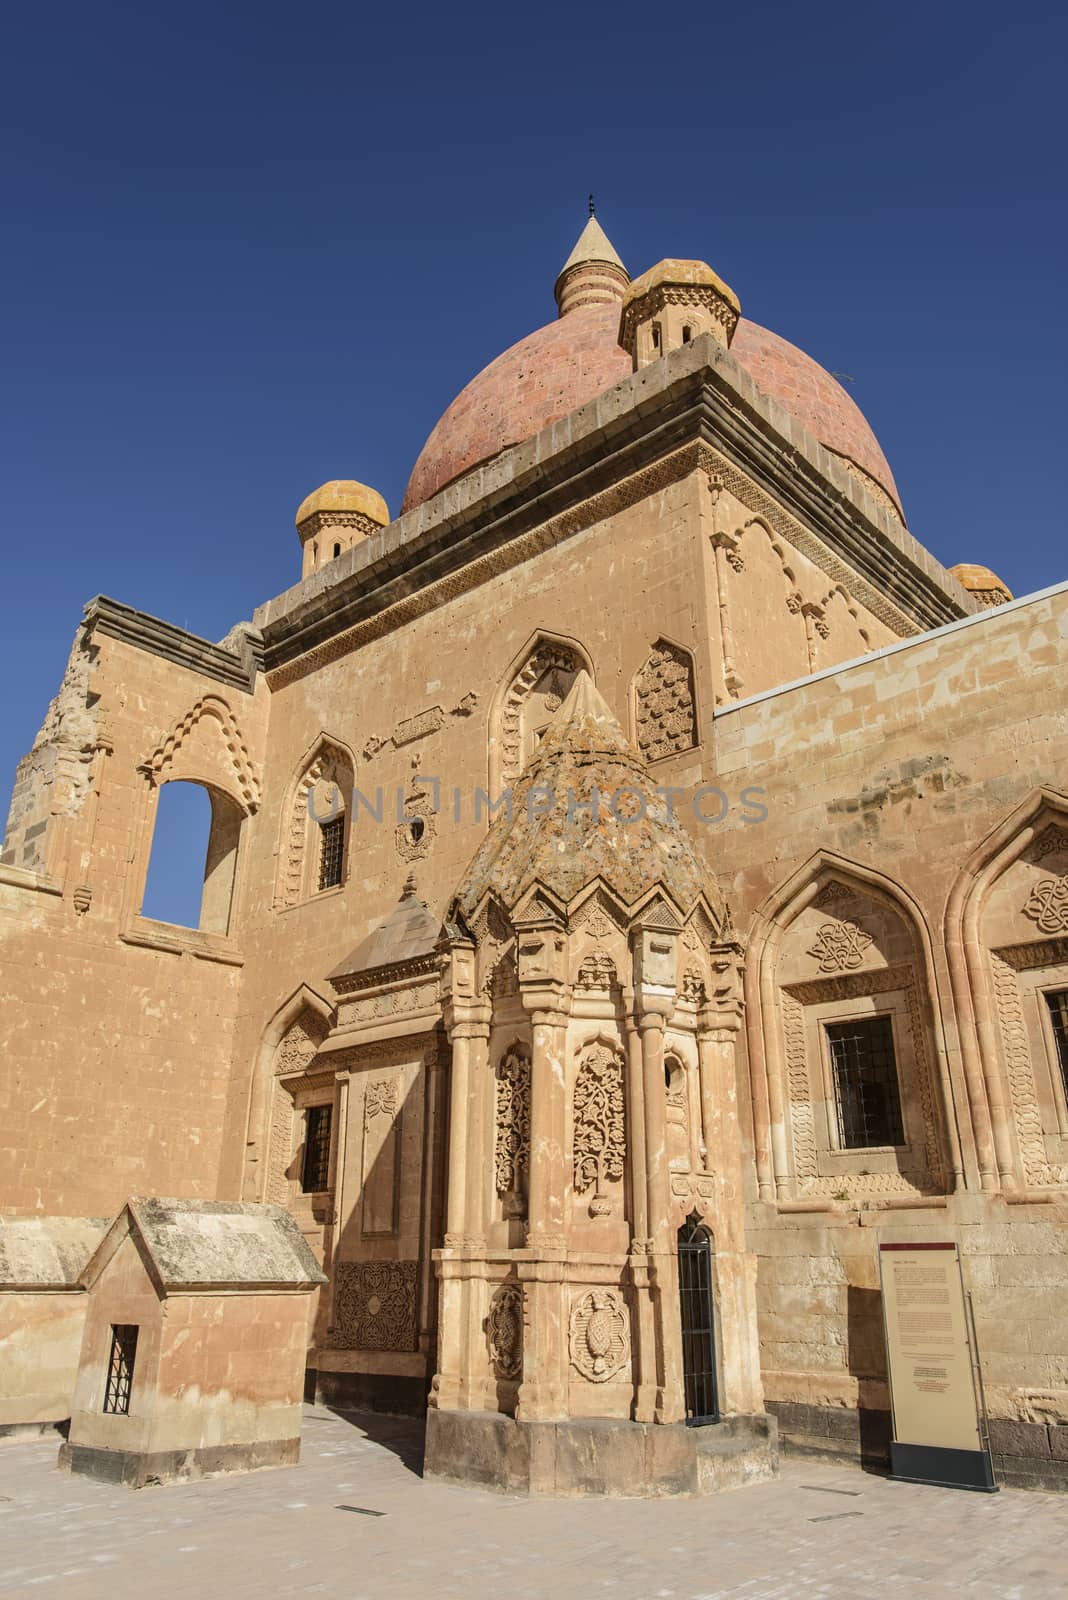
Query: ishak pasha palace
[{"x": 636, "y": 893}]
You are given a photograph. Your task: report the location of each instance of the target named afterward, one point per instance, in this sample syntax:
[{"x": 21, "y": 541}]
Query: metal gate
[{"x": 698, "y": 1323}]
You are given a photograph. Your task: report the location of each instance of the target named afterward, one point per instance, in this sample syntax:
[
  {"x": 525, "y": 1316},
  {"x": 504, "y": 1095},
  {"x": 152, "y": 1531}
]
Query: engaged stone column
[
  {"x": 645, "y": 1327},
  {"x": 663, "y": 1261},
  {"x": 543, "y": 1391}
]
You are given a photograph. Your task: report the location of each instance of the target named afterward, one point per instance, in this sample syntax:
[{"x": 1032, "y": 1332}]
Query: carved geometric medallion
[
  {"x": 505, "y": 1330},
  {"x": 374, "y": 1305},
  {"x": 840, "y": 946},
  {"x": 1047, "y": 905}
]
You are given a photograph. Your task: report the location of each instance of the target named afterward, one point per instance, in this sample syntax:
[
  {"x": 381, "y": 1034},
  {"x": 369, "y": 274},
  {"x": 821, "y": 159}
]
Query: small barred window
[
  {"x": 120, "y": 1369},
  {"x": 315, "y": 1174},
  {"x": 1058, "y": 1015},
  {"x": 331, "y": 846},
  {"x": 866, "y": 1091}
]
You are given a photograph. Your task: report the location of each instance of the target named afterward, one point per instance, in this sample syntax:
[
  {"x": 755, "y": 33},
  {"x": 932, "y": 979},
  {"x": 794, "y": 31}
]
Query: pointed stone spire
[{"x": 593, "y": 274}]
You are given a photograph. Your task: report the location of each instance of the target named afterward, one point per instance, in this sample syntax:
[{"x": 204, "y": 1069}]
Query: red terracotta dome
[{"x": 570, "y": 361}]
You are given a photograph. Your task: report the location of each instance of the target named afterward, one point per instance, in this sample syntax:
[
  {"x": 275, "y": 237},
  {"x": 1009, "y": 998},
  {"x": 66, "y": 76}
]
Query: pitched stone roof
[
  {"x": 592, "y": 244},
  {"x": 633, "y": 843},
  {"x": 203, "y": 1244},
  {"x": 47, "y": 1252},
  {"x": 408, "y": 933}
]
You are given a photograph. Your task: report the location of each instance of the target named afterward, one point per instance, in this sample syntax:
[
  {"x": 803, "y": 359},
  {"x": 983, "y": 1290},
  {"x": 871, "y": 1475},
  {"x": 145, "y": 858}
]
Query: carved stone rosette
[
  {"x": 504, "y": 1328},
  {"x": 599, "y": 1131},
  {"x": 599, "y": 1335}
]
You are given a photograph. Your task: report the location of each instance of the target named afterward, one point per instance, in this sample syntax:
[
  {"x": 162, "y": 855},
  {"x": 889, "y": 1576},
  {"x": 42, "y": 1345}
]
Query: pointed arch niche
[
  {"x": 316, "y": 822},
  {"x": 534, "y": 687},
  {"x": 284, "y": 1086},
  {"x": 1007, "y": 940},
  {"x": 845, "y": 1042},
  {"x": 665, "y": 703}
]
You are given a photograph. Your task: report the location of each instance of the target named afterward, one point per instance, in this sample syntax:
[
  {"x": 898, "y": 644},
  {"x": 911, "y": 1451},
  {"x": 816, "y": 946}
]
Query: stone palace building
[{"x": 637, "y": 885}]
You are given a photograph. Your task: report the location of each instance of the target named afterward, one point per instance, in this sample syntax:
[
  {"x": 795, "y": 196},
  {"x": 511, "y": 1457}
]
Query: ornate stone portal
[{"x": 559, "y": 1304}]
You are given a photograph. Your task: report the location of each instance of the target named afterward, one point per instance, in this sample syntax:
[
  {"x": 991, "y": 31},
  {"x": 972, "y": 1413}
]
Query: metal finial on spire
[{"x": 593, "y": 208}]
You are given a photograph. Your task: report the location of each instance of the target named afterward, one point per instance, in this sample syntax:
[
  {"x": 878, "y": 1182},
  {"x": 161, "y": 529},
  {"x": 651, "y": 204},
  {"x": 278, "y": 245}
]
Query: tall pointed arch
[
  {"x": 534, "y": 686},
  {"x": 840, "y": 941},
  {"x": 320, "y": 793},
  {"x": 298, "y": 1026},
  {"x": 1000, "y": 958}
]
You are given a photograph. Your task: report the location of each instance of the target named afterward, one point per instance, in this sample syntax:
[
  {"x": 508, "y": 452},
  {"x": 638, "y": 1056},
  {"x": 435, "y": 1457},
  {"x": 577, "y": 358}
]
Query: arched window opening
[
  {"x": 687, "y": 333},
  {"x": 193, "y": 861},
  {"x": 697, "y": 1309},
  {"x": 337, "y": 551}
]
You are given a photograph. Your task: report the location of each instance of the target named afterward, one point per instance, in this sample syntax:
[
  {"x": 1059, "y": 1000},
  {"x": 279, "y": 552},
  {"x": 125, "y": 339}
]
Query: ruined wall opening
[{"x": 193, "y": 860}]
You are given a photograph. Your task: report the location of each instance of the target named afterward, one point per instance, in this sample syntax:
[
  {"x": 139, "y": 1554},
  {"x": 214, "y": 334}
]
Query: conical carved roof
[{"x": 556, "y": 838}]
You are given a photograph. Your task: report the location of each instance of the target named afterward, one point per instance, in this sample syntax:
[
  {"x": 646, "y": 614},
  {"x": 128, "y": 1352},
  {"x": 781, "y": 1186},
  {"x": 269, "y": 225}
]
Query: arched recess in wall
[
  {"x": 531, "y": 692},
  {"x": 316, "y": 823},
  {"x": 759, "y": 601},
  {"x": 664, "y": 702},
  {"x": 847, "y": 1057},
  {"x": 289, "y": 1044},
  {"x": 1007, "y": 946},
  {"x": 205, "y": 748}
]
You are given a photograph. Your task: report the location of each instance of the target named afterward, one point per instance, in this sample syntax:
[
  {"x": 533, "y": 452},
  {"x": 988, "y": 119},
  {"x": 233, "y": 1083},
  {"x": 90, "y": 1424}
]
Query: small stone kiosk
[
  {"x": 196, "y": 1331},
  {"x": 42, "y": 1316}
]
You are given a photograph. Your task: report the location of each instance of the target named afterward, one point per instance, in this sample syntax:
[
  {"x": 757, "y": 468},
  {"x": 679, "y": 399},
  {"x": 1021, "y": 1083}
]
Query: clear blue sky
[{"x": 250, "y": 248}]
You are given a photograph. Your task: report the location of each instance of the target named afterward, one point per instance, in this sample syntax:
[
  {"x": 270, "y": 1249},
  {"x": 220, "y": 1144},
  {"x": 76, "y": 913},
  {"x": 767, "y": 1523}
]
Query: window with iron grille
[
  {"x": 865, "y": 1083},
  {"x": 331, "y": 844},
  {"x": 120, "y": 1368},
  {"x": 315, "y": 1175},
  {"x": 1058, "y": 1015}
]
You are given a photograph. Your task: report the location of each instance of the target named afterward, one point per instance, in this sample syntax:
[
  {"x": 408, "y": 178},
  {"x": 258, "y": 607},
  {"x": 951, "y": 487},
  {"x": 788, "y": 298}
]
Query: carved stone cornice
[{"x": 235, "y": 668}]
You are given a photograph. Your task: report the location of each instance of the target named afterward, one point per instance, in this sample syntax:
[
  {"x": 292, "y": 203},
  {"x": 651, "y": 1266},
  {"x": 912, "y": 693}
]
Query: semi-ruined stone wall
[
  {"x": 116, "y": 1031},
  {"x": 913, "y": 846}
]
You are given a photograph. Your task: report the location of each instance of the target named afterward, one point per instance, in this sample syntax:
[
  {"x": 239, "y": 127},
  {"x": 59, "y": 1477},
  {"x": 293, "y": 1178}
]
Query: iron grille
[
  {"x": 865, "y": 1083},
  {"x": 698, "y": 1324},
  {"x": 120, "y": 1368},
  {"x": 331, "y": 849},
  {"x": 1058, "y": 1015},
  {"x": 315, "y": 1175}
]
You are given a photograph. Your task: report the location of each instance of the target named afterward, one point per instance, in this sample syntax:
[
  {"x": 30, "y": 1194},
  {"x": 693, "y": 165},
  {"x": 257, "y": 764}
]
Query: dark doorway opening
[{"x": 698, "y": 1324}]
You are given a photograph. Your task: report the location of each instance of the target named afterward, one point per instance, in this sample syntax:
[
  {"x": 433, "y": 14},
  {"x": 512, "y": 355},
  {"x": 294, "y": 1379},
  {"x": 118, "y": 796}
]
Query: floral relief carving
[
  {"x": 1047, "y": 905},
  {"x": 600, "y": 1335},
  {"x": 693, "y": 987},
  {"x": 504, "y": 1328},
  {"x": 1027, "y": 1113},
  {"x": 664, "y": 696},
  {"x": 374, "y": 1305},
  {"x": 599, "y": 1132},
  {"x": 512, "y": 1151},
  {"x": 300, "y": 1043},
  {"x": 840, "y": 946},
  {"x": 1051, "y": 843}
]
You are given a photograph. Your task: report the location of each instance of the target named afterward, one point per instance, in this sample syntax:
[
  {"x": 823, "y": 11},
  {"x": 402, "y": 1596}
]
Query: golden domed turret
[
  {"x": 984, "y": 585},
  {"x": 335, "y": 517}
]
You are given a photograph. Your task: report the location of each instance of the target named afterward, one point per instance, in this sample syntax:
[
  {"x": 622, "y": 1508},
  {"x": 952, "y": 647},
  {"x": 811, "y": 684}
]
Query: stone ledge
[
  {"x": 600, "y": 1455},
  {"x": 235, "y": 668},
  {"x": 139, "y": 1470}
]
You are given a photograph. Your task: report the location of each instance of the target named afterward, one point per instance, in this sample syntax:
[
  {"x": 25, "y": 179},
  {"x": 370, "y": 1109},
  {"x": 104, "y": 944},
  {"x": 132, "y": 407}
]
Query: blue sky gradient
[{"x": 252, "y": 248}]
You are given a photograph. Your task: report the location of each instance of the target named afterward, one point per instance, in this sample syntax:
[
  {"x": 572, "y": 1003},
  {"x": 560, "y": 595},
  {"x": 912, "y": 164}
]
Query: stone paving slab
[{"x": 820, "y": 1533}]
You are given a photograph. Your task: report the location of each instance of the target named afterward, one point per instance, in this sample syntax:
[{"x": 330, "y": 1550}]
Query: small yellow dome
[
  {"x": 344, "y": 494},
  {"x": 981, "y": 581},
  {"x": 690, "y": 274}
]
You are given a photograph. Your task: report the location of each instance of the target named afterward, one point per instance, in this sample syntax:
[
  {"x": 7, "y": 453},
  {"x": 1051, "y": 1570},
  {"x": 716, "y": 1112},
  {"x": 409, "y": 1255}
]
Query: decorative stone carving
[
  {"x": 1047, "y": 905},
  {"x": 512, "y": 1153},
  {"x": 597, "y": 972},
  {"x": 465, "y": 706},
  {"x": 831, "y": 892},
  {"x": 1050, "y": 843},
  {"x": 374, "y": 1305},
  {"x": 504, "y": 1328},
  {"x": 214, "y": 708},
  {"x": 600, "y": 1335},
  {"x": 549, "y": 670},
  {"x": 502, "y": 979},
  {"x": 664, "y": 702},
  {"x": 1027, "y": 1113},
  {"x": 380, "y": 1099},
  {"x": 321, "y": 788},
  {"x": 692, "y": 988},
  {"x": 415, "y": 834},
  {"x": 300, "y": 1042},
  {"x": 599, "y": 1132},
  {"x": 840, "y": 946}
]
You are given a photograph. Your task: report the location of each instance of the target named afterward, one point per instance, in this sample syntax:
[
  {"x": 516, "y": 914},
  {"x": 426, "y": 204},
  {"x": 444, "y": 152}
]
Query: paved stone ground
[{"x": 819, "y": 1533}]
